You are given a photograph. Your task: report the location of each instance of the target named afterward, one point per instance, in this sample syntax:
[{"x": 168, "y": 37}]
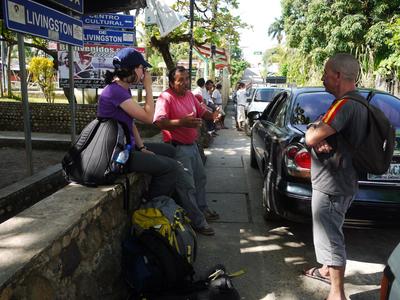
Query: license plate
[{"x": 392, "y": 174}]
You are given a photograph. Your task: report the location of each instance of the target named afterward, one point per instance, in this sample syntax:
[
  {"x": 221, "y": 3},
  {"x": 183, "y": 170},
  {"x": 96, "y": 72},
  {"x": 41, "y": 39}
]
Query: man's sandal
[{"x": 314, "y": 273}]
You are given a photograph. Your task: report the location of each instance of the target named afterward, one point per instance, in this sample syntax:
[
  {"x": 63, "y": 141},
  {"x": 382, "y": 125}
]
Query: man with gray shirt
[{"x": 334, "y": 179}]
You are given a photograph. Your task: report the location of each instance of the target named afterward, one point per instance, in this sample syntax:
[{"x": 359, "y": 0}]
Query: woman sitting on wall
[{"x": 116, "y": 102}]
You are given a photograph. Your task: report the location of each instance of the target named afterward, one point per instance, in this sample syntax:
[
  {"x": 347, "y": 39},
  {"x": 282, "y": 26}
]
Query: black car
[{"x": 278, "y": 150}]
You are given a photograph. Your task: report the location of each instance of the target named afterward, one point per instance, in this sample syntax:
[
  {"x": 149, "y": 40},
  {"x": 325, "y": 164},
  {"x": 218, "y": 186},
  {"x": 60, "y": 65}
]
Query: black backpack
[
  {"x": 217, "y": 285},
  {"x": 90, "y": 161},
  {"x": 151, "y": 266},
  {"x": 375, "y": 152}
]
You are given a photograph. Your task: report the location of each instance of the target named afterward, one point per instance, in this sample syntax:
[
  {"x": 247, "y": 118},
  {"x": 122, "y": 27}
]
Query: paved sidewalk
[
  {"x": 36, "y": 136},
  {"x": 240, "y": 229}
]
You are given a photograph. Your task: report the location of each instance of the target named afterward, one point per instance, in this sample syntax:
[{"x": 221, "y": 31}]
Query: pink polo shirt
[{"x": 172, "y": 106}]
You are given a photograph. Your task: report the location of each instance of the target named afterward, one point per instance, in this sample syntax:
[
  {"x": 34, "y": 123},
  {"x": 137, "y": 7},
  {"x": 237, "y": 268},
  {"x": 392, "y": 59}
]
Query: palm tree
[{"x": 276, "y": 30}]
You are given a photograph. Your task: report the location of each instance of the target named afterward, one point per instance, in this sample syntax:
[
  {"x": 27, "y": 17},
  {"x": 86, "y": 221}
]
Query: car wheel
[
  {"x": 269, "y": 193},
  {"x": 253, "y": 160}
]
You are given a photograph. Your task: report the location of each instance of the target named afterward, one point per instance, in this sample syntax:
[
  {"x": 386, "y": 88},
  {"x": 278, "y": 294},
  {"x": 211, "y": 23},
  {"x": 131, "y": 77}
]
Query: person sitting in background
[
  {"x": 179, "y": 115},
  {"x": 201, "y": 90},
  {"x": 115, "y": 102},
  {"x": 212, "y": 107}
]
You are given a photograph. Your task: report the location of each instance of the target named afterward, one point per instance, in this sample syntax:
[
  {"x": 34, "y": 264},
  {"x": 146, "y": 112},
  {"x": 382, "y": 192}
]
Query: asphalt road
[{"x": 273, "y": 254}]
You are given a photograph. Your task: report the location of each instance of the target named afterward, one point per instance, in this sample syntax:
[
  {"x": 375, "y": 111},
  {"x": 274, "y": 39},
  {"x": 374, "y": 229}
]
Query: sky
[{"x": 260, "y": 14}]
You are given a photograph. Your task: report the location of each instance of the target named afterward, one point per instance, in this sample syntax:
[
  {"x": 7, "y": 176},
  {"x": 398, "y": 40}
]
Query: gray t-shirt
[{"x": 333, "y": 173}]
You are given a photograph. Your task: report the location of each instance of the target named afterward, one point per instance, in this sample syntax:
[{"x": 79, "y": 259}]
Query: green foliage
[
  {"x": 213, "y": 24},
  {"x": 213, "y": 21},
  {"x": 180, "y": 51},
  {"x": 276, "y": 30},
  {"x": 237, "y": 69},
  {"x": 236, "y": 52},
  {"x": 317, "y": 29},
  {"x": 274, "y": 55},
  {"x": 42, "y": 70},
  {"x": 155, "y": 60},
  {"x": 390, "y": 65}
]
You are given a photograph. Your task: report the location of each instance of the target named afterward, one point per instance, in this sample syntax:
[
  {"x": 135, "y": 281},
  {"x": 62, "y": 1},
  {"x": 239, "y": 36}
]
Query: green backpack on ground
[{"x": 170, "y": 220}]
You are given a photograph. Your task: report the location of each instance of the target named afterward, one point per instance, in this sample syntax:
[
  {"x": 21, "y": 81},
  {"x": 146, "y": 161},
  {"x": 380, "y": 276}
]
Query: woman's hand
[
  {"x": 147, "y": 81},
  {"x": 190, "y": 121},
  {"x": 144, "y": 150}
]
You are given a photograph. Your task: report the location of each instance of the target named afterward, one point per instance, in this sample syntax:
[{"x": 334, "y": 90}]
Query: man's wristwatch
[{"x": 141, "y": 148}]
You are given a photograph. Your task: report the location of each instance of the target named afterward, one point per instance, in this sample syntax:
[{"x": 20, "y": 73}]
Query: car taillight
[
  {"x": 303, "y": 159},
  {"x": 298, "y": 161},
  {"x": 291, "y": 152}
]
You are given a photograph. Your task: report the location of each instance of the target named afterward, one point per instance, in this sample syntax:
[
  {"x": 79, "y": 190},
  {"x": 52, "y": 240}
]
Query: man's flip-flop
[{"x": 315, "y": 274}]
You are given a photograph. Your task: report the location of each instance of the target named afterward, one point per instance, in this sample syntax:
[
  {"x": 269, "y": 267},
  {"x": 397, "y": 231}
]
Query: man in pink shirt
[{"x": 179, "y": 114}]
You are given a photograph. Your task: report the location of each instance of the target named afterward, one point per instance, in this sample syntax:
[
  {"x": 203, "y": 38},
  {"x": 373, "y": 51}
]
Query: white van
[{"x": 262, "y": 96}]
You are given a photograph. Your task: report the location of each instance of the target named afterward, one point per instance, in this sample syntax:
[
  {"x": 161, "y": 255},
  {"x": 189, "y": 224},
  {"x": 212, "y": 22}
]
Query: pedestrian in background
[
  {"x": 334, "y": 179},
  {"x": 179, "y": 115},
  {"x": 211, "y": 128},
  {"x": 115, "y": 102},
  {"x": 217, "y": 99},
  {"x": 241, "y": 100}
]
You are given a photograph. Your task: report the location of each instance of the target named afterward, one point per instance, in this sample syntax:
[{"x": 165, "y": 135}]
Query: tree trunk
[
  {"x": 163, "y": 47},
  {"x": 66, "y": 94}
]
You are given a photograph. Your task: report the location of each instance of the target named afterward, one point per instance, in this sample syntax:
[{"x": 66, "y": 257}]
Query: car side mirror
[{"x": 257, "y": 116}]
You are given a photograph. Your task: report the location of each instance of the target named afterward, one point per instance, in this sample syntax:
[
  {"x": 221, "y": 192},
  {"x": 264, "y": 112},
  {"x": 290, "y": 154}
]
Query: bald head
[{"x": 346, "y": 64}]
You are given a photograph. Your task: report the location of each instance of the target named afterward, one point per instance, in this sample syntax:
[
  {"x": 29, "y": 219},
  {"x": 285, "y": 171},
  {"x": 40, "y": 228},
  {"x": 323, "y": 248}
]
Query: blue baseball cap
[{"x": 128, "y": 58}]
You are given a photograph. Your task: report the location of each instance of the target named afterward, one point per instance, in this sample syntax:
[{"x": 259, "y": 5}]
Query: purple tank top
[{"x": 109, "y": 106}]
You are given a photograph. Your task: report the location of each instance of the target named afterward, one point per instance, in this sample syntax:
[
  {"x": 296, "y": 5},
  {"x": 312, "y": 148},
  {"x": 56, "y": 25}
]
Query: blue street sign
[
  {"x": 75, "y": 5},
  {"x": 35, "y": 19},
  {"x": 110, "y": 21},
  {"x": 113, "y": 37}
]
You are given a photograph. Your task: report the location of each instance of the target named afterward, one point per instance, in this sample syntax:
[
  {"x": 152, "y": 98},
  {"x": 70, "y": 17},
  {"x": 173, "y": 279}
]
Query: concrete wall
[
  {"x": 24, "y": 193},
  {"x": 68, "y": 246},
  {"x": 45, "y": 117},
  {"x": 55, "y": 118}
]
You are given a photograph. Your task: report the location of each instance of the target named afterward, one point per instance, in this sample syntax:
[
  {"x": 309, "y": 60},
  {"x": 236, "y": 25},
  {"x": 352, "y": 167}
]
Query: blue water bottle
[
  {"x": 121, "y": 159},
  {"x": 123, "y": 156}
]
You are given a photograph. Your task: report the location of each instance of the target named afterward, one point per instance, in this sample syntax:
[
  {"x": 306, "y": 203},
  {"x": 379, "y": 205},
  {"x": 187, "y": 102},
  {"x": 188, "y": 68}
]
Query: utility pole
[
  {"x": 139, "y": 88},
  {"x": 213, "y": 47},
  {"x": 191, "y": 42},
  {"x": 25, "y": 103}
]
